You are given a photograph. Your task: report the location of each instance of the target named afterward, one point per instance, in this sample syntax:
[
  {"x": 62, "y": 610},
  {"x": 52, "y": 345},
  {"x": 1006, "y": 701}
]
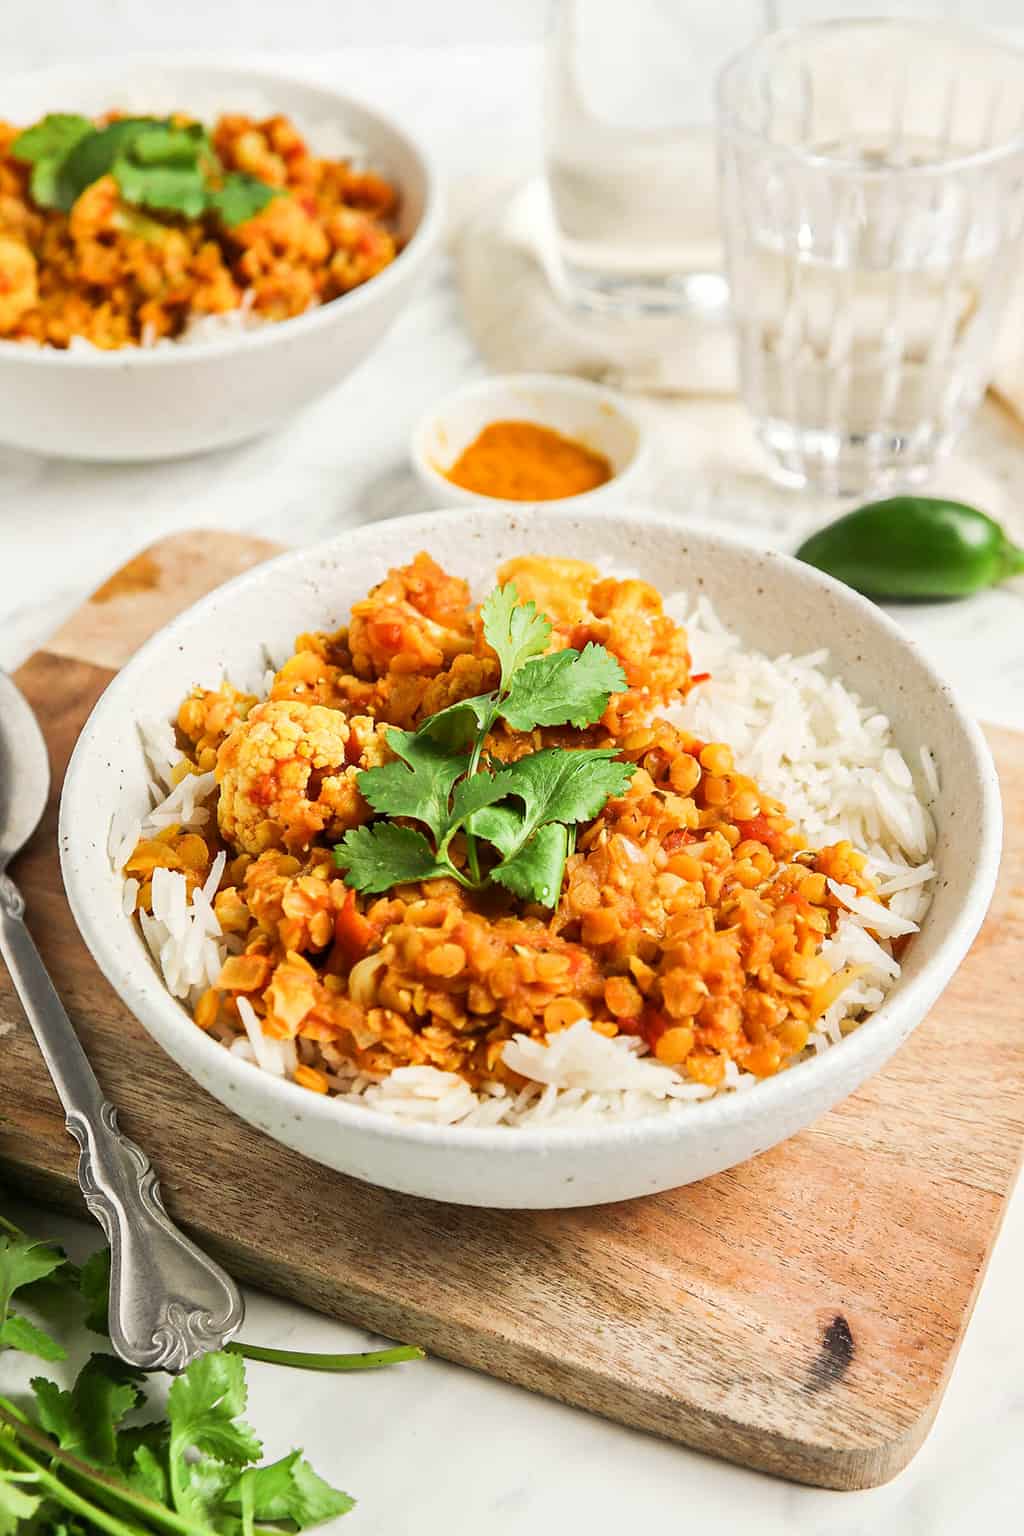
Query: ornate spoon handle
[{"x": 169, "y": 1303}]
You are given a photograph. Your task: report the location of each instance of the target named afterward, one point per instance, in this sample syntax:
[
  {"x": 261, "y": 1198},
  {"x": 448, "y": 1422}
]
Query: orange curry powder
[{"x": 521, "y": 461}]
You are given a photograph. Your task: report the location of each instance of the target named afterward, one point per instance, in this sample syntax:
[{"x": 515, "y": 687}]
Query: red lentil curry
[
  {"x": 689, "y": 911},
  {"x": 123, "y": 231}
]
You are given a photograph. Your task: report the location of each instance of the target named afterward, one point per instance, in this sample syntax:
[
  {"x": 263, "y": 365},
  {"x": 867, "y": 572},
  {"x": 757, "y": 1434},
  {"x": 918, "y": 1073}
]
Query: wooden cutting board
[{"x": 800, "y": 1314}]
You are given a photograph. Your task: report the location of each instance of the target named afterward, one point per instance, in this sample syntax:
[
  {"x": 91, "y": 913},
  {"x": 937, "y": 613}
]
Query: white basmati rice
[{"x": 807, "y": 739}]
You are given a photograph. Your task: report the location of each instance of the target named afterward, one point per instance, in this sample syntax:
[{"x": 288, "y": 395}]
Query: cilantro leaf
[
  {"x": 377, "y": 857},
  {"x": 145, "y": 1472},
  {"x": 94, "y": 155},
  {"x": 567, "y": 687},
  {"x": 22, "y": 1262},
  {"x": 419, "y": 786},
  {"x": 167, "y": 144},
  {"x": 94, "y": 1285},
  {"x": 289, "y": 1489},
  {"x": 164, "y": 167},
  {"x": 17, "y": 1503},
  {"x": 51, "y": 138},
  {"x": 198, "y": 1490},
  {"x": 53, "y": 1408},
  {"x": 516, "y": 631},
  {"x": 85, "y": 1420},
  {"x": 18, "y": 1333},
  {"x": 45, "y": 145},
  {"x": 456, "y": 726},
  {"x": 203, "y": 1405},
  {"x": 535, "y": 872},
  {"x": 168, "y": 188},
  {"x": 241, "y": 197},
  {"x": 441, "y": 781},
  {"x": 554, "y": 785}
]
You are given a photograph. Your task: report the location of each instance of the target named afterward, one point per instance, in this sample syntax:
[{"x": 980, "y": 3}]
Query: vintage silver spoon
[{"x": 169, "y": 1303}]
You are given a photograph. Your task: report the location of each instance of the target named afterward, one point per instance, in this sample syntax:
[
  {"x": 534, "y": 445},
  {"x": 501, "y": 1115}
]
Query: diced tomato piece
[
  {"x": 353, "y": 933},
  {"x": 678, "y": 838},
  {"x": 700, "y": 677},
  {"x": 652, "y": 1025},
  {"x": 759, "y": 830}
]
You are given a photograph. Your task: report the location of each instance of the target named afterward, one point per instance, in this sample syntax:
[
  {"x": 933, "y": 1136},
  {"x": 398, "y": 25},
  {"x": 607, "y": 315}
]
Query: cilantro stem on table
[
  {"x": 19, "y": 1429},
  {"x": 69, "y": 1499},
  {"x": 525, "y": 810},
  {"x": 301, "y": 1360}
]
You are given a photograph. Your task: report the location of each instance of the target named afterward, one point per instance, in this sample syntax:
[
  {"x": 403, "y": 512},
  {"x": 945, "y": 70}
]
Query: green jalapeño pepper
[{"x": 915, "y": 547}]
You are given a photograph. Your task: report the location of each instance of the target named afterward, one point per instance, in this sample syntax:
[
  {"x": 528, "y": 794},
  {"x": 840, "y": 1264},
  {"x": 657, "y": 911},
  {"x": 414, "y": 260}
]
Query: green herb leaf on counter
[
  {"x": 288, "y": 1489},
  {"x": 73, "y": 1466},
  {"x": 914, "y": 548},
  {"x": 94, "y": 1286},
  {"x": 22, "y": 1263},
  {"x": 192, "y": 1473},
  {"x": 85, "y": 1420},
  {"x": 442, "y": 780},
  {"x": 18, "y": 1504}
]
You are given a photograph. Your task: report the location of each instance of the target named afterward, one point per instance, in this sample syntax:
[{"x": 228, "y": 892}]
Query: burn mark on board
[{"x": 836, "y": 1349}]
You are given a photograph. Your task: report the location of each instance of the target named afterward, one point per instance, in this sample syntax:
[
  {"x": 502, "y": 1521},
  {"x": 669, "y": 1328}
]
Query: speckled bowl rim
[
  {"x": 415, "y": 251},
  {"x": 137, "y": 983}
]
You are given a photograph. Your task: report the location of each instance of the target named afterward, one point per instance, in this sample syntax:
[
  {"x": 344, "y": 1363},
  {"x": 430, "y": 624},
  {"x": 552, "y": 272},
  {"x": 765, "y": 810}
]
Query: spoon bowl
[{"x": 24, "y": 771}]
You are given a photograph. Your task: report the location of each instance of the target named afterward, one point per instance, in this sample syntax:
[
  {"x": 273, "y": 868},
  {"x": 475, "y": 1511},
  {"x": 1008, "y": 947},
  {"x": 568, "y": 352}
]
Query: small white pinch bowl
[
  {"x": 597, "y": 417},
  {"x": 173, "y": 399},
  {"x": 776, "y": 605}
]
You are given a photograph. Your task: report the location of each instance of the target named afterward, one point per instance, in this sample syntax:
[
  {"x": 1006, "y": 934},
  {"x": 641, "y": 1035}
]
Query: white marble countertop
[{"x": 510, "y": 1460}]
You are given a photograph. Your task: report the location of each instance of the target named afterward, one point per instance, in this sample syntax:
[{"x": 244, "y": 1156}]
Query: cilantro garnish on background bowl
[{"x": 167, "y": 164}]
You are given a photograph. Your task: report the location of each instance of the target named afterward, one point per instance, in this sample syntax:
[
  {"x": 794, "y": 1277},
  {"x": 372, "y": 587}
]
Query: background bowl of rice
[
  {"x": 232, "y": 378},
  {"x": 871, "y": 705}
]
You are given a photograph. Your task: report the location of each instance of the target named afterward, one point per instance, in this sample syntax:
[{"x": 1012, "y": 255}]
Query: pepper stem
[{"x": 1012, "y": 559}]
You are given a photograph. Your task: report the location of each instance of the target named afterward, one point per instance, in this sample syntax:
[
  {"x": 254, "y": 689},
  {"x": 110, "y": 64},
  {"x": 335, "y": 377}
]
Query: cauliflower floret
[
  {"x": 559, "y": 587},
  {"x": 287, "y": 775}
]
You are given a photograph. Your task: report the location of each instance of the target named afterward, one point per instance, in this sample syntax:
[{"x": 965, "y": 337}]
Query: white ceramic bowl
[
  {"x": 597, "y": 417},
  {"x": 776, "y": 604},
  {"x": 177, "y": 399}
]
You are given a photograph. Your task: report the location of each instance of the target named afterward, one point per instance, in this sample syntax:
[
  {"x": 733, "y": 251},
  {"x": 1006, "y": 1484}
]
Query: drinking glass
[
  {"x": 872, "y": 195},
  {"x": 630, "y": 149}
]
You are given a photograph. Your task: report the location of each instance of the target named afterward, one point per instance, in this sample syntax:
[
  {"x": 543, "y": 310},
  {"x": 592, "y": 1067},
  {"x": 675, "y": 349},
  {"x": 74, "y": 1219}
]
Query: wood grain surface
[{"x": 799, "y": 1314}]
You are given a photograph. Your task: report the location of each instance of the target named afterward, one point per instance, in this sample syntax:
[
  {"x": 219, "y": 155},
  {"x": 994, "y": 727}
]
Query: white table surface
[{"x": 431, "y": 1448}]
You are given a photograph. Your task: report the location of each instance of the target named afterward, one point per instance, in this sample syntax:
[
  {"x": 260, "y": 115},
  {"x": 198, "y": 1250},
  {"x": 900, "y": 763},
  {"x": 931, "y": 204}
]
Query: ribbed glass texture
[{"x": 872, "y": 195}]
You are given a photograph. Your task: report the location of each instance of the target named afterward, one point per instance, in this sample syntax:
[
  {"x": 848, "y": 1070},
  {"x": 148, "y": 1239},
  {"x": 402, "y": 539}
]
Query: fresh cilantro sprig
[
  {"x": 157, "y": 163},
  {"x": 193, "y": 1473},
  {"x": 79, "y": 1461},
  {"x": 525, "y": 810}
]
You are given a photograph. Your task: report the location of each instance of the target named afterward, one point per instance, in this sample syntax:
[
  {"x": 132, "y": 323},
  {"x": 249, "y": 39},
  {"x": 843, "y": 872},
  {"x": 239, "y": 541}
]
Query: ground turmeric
[{"x": 521, "y": 461}]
